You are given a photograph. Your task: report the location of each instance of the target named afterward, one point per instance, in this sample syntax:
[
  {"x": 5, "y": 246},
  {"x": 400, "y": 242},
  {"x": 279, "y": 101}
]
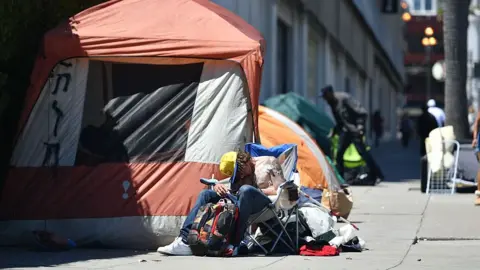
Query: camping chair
[{"x": 288, "y": 156}]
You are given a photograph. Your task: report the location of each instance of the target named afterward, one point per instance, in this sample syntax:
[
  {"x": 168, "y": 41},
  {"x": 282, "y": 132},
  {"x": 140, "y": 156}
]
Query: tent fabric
[
  {"x": 313, "y": 167},
  {"x": 130, "y": 103},
  {"x": 317, "y": 123},
  {"x": 131, "y": 150},
  {"x": 152, "y": 28}
]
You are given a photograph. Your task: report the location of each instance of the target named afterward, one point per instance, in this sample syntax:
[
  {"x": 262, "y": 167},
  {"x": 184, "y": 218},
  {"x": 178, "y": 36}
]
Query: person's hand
[
  {"x": 474, "y": 143},
  {"x": 360, "y": 129},
  {"x": 220, "y": 189}
]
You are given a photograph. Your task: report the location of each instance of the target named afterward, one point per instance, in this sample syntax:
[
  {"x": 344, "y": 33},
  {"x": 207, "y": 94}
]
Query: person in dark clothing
[
  {"x": 405, "y": 129},
  {"x": 377, "y": 126},
  {"x": 350, "y": 116},
  {"x": 426, "y": 123}
]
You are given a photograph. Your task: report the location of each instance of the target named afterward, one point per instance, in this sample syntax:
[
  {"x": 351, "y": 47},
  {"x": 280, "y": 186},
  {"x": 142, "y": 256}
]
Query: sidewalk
[{"x": 391, "y": 216}]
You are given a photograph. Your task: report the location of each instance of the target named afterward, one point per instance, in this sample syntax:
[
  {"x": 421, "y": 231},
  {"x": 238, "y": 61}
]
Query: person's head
[
  {"x": 327, "y": 94},
  {"x": 239, "y": 166},
  {"x": 245, "y": 166},
  {"x": 431, "y": 103}
]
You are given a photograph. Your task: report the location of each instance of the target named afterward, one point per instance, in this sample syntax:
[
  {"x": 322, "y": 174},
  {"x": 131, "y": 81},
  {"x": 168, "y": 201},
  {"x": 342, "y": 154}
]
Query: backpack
[{"x": 213, "y": 228}]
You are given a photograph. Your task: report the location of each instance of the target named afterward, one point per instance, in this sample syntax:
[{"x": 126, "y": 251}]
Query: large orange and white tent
[
  {"x": 130, "y": 103},
  {"x": 314, "y": 169}
]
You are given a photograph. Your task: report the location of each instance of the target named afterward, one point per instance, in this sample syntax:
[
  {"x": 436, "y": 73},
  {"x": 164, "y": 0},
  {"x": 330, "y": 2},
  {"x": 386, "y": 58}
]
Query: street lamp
[
  {"x": 406, "y": 17},
  {"x": 429, "y": 31},
  {"x": 428, "y": 42}
]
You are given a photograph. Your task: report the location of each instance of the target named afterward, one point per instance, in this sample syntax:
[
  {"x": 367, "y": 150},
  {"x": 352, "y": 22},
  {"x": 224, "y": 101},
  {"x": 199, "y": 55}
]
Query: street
[{"x": 391, "y": 217}]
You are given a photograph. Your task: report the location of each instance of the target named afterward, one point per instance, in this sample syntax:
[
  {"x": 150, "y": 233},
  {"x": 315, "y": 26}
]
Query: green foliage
[
  {"x": 473, "y": 9},
  {"x": 22, "y": 26},
  {"x": 24, "y": 22}
]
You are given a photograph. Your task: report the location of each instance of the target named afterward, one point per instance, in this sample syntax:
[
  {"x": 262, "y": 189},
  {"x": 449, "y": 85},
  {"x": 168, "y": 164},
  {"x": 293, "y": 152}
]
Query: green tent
[{"x": 316, "y": 122}]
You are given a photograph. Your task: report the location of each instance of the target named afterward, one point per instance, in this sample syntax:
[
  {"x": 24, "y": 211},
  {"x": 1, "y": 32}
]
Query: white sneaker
[{"x": 176, "y": 248}]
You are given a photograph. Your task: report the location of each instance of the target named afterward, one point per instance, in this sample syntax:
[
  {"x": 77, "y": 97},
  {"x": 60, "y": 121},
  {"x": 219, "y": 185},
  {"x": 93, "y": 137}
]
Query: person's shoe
[
  {"x": 176, "y": 248},
  {"x": 477, "y": 198}
]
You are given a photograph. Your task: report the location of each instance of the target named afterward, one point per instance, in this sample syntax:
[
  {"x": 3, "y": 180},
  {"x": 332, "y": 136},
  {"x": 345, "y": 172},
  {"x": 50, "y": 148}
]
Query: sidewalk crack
[
  {"x": 415, "y": 240},
  {"x": 270, "y": 264}
]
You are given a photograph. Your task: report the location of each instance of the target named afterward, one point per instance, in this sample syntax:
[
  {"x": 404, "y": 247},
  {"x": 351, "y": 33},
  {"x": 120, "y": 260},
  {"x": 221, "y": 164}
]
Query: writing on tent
[{"x": 53, "y": 144}]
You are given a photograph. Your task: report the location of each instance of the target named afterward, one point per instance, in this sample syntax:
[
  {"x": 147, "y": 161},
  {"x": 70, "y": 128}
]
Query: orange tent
[
  {"x": 313, "y": 168},
  {"x": 176, "y": 29},
  {"x": 127, "y": 105}
]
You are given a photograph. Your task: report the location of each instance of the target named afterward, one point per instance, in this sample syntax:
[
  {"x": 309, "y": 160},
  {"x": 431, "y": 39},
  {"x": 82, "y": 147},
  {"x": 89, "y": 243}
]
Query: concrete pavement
[{"x": 391, "y": 216}]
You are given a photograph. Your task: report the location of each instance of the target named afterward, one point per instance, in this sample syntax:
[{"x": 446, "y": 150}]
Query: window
[
  {"x": 417, "y": 4},
  {"x": 312, "y": 69},
  {"x": 282, "y": 56},
  {"x": 423, "y": 7},
  {"x": 347, "y": 85},
  {"x": 428, "y": 5}
]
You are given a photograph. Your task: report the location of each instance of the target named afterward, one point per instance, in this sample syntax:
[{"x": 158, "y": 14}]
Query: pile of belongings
[
  {"x": 441, "y": 152},
  {"x": 49, "y": 241},
  {"x": 462, "y": 182},
  {"x": 440, "y": 147},
  {"x": 318, "y": 232},
  {"x": 325, "y": 239}
]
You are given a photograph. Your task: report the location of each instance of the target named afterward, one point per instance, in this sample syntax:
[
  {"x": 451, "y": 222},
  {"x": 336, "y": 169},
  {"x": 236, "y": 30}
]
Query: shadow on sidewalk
[
  {"x": 20, "y": 258},
  {"x": 397, "y": 163}
]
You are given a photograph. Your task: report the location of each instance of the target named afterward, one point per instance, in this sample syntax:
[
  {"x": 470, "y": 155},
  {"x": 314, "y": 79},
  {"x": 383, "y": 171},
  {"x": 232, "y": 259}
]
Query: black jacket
[
  {"x": 426, "y": 123},
  {"x": 349, "y": 113}
]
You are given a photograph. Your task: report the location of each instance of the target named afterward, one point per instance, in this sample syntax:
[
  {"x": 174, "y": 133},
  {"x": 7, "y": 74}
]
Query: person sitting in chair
[{"x": 254, "y": 179}]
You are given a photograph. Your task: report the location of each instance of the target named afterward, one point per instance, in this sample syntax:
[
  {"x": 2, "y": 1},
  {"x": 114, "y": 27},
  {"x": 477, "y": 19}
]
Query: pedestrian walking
[
  {"x": 426, "y": 123},
  {"x": 438, "y": 113},
  {"x": 476, "y": 146},
  {"x": 405, "y": 129},
  {"x": 377, "y": 126}
]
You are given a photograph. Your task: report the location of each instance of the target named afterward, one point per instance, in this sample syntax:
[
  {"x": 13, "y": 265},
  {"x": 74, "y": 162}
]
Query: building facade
[
  {"x": 418, "y": 65},
  {"x": 419, "y": 58},
  {"x": 349, "y": 44},
  {"x": 419, "y": 61}
]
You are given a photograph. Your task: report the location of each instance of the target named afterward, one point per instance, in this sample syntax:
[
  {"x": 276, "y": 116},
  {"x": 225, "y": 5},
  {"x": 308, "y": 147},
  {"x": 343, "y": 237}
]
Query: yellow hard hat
[{"x": 228, "y": 163}]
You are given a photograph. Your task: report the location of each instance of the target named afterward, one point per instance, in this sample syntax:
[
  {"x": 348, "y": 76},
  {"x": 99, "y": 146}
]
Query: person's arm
[
  {"x": 270, "y": 191},
  {"x": 475, "y": 130},
  {"x": 276, "y": 178}
]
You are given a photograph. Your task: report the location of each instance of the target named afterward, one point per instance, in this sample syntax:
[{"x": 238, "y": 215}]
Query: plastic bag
[{"x": 317, "y": 219}]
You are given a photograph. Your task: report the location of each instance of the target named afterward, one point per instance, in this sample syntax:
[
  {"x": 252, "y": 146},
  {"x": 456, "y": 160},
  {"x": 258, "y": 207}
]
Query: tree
[{"x": 455, "y": 25}]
